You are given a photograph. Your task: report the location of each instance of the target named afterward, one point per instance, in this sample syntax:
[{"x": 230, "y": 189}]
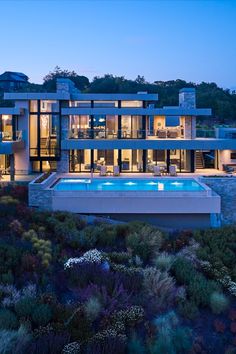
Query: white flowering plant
[{"x": 91, "y": 256}]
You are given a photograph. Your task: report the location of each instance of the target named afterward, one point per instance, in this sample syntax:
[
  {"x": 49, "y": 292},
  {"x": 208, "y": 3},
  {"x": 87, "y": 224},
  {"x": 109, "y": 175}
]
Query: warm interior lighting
[{"x": 5, "y": 117}]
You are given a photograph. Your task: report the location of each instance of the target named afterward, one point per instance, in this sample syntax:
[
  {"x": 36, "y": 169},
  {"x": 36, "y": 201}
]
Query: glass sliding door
[
  {"x": 80, "y": 127},
  {"x": 131, "y": 160},
  {"x": 80, "y": 160},
  {"x": 108, "y": 158},
  {"x": 156, "y": 157},
  {"x": 131, "y": 127}
]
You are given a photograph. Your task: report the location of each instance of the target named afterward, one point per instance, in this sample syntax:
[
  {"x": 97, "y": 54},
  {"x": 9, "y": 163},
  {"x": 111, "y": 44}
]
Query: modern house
[
  {"x": 10, "y": 80},
  {"x": 69, "y": 131}
]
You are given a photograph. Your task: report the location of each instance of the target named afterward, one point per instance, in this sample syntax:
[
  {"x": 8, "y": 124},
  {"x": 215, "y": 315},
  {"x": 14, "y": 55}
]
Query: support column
[
  {"x": 12, "y": 167},
  {"x": 192, "y": 160},
  {"x": 119, "y": 122},
  {"x": 168, "y": 160},
  {"x": 144, "y": 160}
]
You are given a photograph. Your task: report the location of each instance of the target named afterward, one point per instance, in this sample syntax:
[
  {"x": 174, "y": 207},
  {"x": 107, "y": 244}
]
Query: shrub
[
  {"x": 108, "y": 341},
  {"x": 42, "y": 314},
  {"x": 71, "y": 348},
  {"x": 8, "y": 206},
  {"x": 163, "y": 261},
  {"x": 135, "y": 346},
  {"x": 14, "y": 341},
  {"x": 159, "y": 285},
  {"x": 16, "y": 227},
  {"x": 219, "y": 302},
  {"x": 88, "y": 237},
  {"x": 188, "y": 309},
  {"x": 51, "y": 343},
  {"x": 144, "y": 242},
  {"x": 171, "y": 338},
  {"x": 25, "y": 306},
  {"x": 8, "y": 319},
  {"x": 92, "y": 308}
]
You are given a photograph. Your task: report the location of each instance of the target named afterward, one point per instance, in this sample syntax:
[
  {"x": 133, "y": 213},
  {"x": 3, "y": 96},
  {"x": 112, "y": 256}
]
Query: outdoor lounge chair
[
  {"x": 103, "y": 170},
  {"x": 161, "y": 134},
  {"x": 172, "y": 170},
  {"x": 116, "y": 171},
  {"x": 156, "y": 171}
]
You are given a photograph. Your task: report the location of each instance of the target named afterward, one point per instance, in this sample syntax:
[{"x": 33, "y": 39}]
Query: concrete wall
[
  {"x": 226, "y": 188},
  {"x": 225, "y": 158},
  {"x": 39, "y": 195}
]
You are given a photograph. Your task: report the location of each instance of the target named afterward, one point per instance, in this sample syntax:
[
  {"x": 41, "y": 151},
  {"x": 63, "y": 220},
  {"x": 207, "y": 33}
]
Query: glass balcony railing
[
  {"x": 10, "y": 136},
  {"x": 164, "y": 133},
  {"x": 205, "y": 133}
]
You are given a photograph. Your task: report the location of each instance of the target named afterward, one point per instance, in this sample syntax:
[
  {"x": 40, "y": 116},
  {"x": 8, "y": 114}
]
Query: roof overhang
[
  {"x": 36, "y": 96},
  {"x": 11, "y": 110}
]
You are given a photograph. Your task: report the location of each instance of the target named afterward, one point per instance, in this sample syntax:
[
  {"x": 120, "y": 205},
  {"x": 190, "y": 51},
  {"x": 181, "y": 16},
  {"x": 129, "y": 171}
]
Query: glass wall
[
  {"x": 131, "y": 160},
  {"x": 156, "y": 157},
  {"x": 164, "y": 158},
  {"x": 5, "y": 164},
  {"x": 105, "y": 126},
  {"x": 109, "y": 158},
  {"x": 80, "y": 160},
  {"x": 80, "y": 127},
  {"x": 131, "y": 127},
  {"x": 6, "y": 127},
  {"x": 44, "y": 129}
]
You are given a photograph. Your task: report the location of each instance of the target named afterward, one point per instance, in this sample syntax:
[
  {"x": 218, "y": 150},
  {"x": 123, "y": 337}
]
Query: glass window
[
  {"x": 131, "y": 160},
  {"x": 108, "y": 158},
  {"x": 80, "y": 160},
  {"x": 49, "y": 106},
  {"x": 105, "y": 104},
  {"x": 6, "y": 127},
  {"x": 49, "y": 134},
  {"x": 131, "y": 103},
  {"x": 33, "y": 106},
  {"x": 155, "y": 157},
  {"x": 33, "y": 135},
  {"x": 85, "y": 104},
  {"x": 131, "y": 127},
  {"x": 80, "y": 127}
]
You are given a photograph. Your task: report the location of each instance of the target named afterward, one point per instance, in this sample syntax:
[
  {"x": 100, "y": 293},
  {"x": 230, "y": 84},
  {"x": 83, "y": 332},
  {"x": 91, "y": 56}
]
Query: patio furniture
[
  {"x": 173, "y": 134},
  {"x": 161, "y": 134},
  {"x": 156, "y": 171},
  {"x": 103, "y": 170},
  {"x": 116, "y": 170},
  {"x": 172, "y": 170}
]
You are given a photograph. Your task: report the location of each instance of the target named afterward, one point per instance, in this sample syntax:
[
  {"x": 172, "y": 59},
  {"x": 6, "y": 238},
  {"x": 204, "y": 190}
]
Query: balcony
[
  {"x": 10, "y": 136},
  {"x": 11, "y": 142}
]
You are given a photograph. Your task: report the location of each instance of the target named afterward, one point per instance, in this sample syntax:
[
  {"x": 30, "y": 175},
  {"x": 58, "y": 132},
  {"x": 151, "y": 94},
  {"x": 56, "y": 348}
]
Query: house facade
[
  {"x": 10, "y": 80},
  {"x": 73, "y": 132}
]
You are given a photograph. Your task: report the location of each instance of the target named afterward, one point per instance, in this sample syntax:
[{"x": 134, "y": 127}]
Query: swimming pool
[{"x": 128, "y": 184}]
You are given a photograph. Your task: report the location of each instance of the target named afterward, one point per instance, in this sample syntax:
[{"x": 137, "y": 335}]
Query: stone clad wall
[{"x": 226, "y": 188}]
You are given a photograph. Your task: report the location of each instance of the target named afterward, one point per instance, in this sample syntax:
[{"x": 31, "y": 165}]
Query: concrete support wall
[{"x": 225, "y": 187}]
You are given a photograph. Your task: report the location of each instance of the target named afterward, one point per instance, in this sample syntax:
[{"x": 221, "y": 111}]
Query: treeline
[{"x": 209, "y": 95}]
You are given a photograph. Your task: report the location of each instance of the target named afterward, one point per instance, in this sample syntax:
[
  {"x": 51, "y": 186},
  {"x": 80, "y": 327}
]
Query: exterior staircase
[{"x": 199, "y": 160}]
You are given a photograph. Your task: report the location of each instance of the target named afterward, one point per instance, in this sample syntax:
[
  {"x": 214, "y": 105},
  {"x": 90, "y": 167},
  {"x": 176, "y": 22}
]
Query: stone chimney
[
  {"x": 65, "y": 85},
  {"x": 187, "y": 98}
]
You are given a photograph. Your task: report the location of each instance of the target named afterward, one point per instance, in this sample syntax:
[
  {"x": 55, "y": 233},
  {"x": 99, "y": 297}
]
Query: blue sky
[{"x": 162, "y": 40}]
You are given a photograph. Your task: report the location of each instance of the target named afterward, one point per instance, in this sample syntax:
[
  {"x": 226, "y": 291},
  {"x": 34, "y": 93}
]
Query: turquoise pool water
[{"x": 128, "y": 184}]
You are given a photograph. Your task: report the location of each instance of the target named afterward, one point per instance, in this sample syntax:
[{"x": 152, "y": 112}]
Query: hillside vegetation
[{"x": 209, "y": 95}]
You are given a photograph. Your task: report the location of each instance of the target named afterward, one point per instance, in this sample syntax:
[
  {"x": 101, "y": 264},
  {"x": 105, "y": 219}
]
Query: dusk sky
[{"x": 161, "y": 40}]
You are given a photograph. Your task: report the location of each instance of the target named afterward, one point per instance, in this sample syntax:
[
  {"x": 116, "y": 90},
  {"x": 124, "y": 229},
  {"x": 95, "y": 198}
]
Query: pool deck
[{"x": 198, "y": 173}]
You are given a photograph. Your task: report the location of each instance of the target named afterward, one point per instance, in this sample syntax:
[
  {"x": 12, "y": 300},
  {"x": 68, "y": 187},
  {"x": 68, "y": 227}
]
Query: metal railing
[{"x": 11, "y": 136}]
